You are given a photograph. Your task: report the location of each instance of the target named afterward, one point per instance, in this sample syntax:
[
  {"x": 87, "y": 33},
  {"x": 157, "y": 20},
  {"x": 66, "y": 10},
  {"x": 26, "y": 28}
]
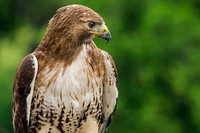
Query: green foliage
[{"x": 155, "y": 45}]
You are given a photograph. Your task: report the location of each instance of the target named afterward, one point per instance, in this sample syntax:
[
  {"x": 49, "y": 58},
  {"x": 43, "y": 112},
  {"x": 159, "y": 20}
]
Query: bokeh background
[{"x": 156, "y": 48}]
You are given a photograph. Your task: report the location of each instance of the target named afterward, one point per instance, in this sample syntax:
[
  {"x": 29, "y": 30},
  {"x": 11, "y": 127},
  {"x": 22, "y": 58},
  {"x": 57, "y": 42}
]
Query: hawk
[{"x": 68, "y": 84}]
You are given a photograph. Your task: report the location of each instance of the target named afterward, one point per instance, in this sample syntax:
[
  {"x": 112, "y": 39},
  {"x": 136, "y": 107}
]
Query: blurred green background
[{"x": 156, "y": 48}]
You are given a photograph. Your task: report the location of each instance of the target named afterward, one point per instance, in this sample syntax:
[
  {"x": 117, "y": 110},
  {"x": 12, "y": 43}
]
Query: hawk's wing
[
  {"x": 110, "y": 91},
  {"x": 22, "y": 93}
]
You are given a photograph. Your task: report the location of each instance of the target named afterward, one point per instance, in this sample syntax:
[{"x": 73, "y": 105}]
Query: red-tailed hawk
[{"x": 67, "y": 84}]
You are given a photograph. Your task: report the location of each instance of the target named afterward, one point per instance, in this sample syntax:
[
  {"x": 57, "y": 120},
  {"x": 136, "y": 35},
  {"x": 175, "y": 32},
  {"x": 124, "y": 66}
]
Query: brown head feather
[{"x": 68, "y": 28}]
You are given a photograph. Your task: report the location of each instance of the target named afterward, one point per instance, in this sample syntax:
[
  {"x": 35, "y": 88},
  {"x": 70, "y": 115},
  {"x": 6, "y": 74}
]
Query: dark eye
[{"x": 91, "y": 24}]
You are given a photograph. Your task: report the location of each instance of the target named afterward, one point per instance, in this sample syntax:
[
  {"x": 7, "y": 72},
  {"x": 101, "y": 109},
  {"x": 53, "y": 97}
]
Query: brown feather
[{"x": 21, "y": 89}]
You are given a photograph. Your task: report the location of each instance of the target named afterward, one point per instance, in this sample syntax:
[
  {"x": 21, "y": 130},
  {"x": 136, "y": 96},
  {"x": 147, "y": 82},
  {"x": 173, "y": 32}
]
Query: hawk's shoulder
[
  {"x": 22, "y": 92},
  {"x": 110, "y": 92}
]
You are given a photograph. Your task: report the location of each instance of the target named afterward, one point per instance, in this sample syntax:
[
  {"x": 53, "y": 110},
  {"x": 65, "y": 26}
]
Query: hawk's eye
[{"x": 91, "y": 24}]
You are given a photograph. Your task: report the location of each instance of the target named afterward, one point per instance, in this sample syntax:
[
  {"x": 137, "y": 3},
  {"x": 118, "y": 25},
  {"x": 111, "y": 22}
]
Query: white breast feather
[{"x": 72, "y": 84}]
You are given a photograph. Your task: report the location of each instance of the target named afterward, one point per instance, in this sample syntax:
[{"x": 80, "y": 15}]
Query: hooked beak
[{"x": 103, "y": 33}]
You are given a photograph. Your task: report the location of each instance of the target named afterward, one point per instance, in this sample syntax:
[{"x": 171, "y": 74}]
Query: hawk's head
[{"x": 78, "y": 24}]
